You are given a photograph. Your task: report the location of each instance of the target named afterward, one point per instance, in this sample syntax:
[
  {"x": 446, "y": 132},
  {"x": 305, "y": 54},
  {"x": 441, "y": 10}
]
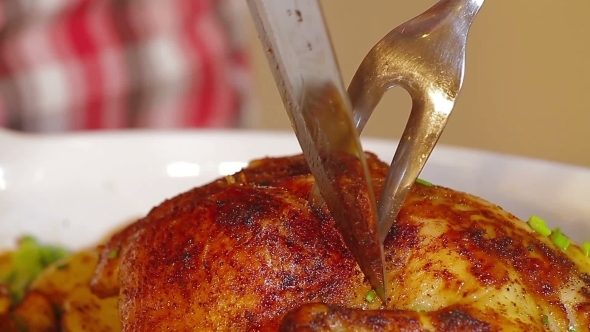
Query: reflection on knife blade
[{"x": 326, "y": 133}]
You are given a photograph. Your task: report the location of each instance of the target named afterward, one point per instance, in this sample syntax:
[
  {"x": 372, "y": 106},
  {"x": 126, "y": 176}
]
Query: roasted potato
[
  {"x": 66, "y": 284},
  {"x": 59, "y": 279},
  {"x": 33, "y": 314},
  {"x": 19, "y": 267},
  {"x": 45, "y": 288},
  {"x": 84, "y": 311}
]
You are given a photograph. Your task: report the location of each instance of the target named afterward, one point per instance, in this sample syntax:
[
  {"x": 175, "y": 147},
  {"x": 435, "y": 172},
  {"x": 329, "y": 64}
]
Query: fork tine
[
  {"x": 366, "y": 90},
  {"x": 427, "y": 121}
]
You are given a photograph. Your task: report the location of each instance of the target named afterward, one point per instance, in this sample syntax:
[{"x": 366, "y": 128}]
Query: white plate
[{"x": 73, "y": 188}]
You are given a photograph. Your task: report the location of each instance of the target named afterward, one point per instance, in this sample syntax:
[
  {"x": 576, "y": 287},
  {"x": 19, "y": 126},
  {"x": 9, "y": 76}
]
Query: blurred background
[
  {"x": 526, "y": 89},
  {"x": 112, "y": 64}
]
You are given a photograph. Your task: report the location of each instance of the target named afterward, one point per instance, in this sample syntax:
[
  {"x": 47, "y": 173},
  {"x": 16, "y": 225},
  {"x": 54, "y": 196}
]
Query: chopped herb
[
  {"x": 539, "y": 226},
  {"x": 560, "y": 240},
  {"x": 423, "y": 182},
  {"x": 113, "y": 254},
  {"x": 545, "y": 319},
  {"x": 419, "y": 308},
  {"x": 11, "y": 277},
  {"x": 28, "y": 261},
  {"x": 63, "y": 266},
  {"x": 19, "y": 321},
  {"x": 572, "y": 330},
  {"x": 586, "y": 248},
  {"x": 370, "y": 297},
  {"x": 50, "y": 254},
  {"x": 57, "y": 310}
]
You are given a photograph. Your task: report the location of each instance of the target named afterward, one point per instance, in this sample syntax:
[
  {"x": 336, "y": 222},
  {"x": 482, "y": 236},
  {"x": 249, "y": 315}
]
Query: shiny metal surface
[
  {"x": 301, "y": 58},
  {"x": 425, "y": 56}
]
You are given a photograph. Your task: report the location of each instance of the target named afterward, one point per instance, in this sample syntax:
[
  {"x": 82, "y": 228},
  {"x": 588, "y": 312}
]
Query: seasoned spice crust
[{"x": 248, "y": 252}]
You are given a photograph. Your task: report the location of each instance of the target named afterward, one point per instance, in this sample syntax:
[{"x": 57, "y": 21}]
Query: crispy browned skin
[
  {"x": 322, "y": 317},
  {"x": 243, "y": 251}
]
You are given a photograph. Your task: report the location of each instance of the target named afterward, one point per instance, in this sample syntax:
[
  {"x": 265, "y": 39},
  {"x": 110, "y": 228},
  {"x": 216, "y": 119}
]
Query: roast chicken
[{"x": 247, "y": 252}]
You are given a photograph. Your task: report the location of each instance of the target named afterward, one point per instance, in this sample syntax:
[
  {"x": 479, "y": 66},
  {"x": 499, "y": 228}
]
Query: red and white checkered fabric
[{"x": 102, "y": 64}]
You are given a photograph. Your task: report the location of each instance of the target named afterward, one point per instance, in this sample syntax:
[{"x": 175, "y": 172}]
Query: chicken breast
[{"x": 247, "y": 252}]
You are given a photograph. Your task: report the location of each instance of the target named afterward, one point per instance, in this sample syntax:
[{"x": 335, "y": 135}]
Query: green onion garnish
[
  {"x": 62, "y": 266},
  {"x": 370, "y": 297},
  {"x": 19, "y": 321},
  {"x": 586, "y": 248},
  {"x": 419, "y": 308},
  {"x": 538, "y": 225},
  {"x": 423, "y": 182},
  {"x": 545, "y": 319},
  {"x": 559, "y": 239},
  {"x": 113, "y": 254}
]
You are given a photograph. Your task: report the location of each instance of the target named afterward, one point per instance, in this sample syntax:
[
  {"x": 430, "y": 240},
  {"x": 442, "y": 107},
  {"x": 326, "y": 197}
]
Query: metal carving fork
[{"x": 426, "y": 57}]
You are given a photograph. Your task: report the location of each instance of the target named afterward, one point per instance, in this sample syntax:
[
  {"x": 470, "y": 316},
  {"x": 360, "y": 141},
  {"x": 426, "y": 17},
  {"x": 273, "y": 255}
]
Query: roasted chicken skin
[{"x": 247, "y": 252}]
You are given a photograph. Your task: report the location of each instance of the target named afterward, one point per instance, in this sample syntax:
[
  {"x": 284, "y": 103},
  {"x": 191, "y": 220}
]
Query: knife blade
[{"x": 301, "y": 58}]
